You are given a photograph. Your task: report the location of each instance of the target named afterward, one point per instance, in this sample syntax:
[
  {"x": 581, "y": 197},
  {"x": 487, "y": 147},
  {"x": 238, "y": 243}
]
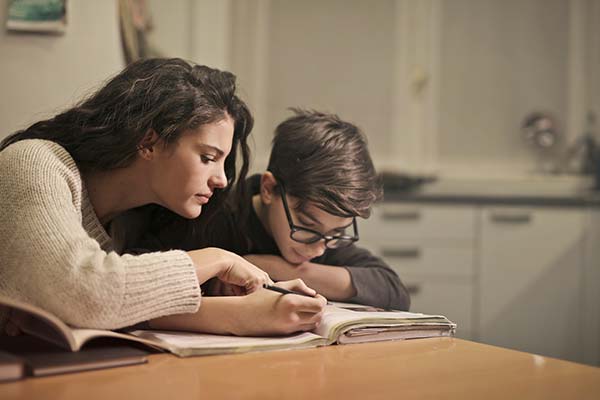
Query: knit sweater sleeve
[{"x": 50, "y": 258}]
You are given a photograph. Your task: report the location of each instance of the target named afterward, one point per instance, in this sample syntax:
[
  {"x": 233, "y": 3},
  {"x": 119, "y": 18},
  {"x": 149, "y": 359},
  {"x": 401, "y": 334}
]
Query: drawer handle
[
  {"x": 516, "y": 218},
  {"x": 401, "y": 215},
  {"x": 402, "y": 253},
  {"x": 413, "y": 289}
]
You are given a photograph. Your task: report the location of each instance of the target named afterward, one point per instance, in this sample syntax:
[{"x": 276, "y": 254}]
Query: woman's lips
[{"x": 202, "y": 199}]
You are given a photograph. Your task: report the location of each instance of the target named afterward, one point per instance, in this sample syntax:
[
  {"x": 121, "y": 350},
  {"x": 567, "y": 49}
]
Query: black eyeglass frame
[{"x": 348, "y": 240}]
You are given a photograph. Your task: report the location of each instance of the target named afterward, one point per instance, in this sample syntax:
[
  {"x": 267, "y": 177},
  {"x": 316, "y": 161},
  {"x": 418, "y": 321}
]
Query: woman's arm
[
  {"x": 229, "y": 268},
  {"x": 56, "y": 255},
  {"x": 261, "y": 313}
]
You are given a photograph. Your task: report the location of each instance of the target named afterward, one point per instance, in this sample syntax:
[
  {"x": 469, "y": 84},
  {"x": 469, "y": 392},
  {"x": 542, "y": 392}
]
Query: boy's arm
[
  {"x": 332, "y": 282},
  {"x": 376, "y": 283},
  {"x": 363, "y": 278}
]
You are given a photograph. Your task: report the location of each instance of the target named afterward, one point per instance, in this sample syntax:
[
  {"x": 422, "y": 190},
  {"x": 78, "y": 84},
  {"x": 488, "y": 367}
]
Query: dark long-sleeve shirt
[{"x": 375, "y": 282}]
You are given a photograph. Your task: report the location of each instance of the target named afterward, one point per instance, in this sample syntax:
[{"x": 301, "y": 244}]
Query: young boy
[{"x": 300, "y": 220}]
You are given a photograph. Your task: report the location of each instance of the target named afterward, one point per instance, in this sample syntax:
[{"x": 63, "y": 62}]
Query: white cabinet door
[
  {"x": 452, "y": 298},
  {"x": 591, "y": 290},
  {"x": 531, "y": 276},
  {"x": 436, "y": 260},
  {"x": 431, "y": 247},
  {"x": 401, "y": 221}
]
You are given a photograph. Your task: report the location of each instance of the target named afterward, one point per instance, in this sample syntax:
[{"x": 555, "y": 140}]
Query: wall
[
  {"x": 593, "y": 42},
  {"x": 335, "y": 56},
  {"x": 197, "y": 30},
  {"x": 42, "y": 74},
  {"x": 342, "y": 67},
  {"x": 499, "y": 62},
  {"x": 438, "y": 86}
]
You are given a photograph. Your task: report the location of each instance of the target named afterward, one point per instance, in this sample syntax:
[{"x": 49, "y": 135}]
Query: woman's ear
[
  {"x": 267, "y": 187},
  {"x": 145, "y": 147}
]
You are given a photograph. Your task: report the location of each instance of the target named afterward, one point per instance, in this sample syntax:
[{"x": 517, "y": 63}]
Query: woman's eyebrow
[{"x": 219, "y": 152}]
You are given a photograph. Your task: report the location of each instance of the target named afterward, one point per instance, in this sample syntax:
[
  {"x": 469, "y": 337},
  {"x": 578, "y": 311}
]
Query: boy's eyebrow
[
  {"x": 316, "y": 221},
  {"x": 343, "y": 227},
  {"x": 310, "y": 216}
]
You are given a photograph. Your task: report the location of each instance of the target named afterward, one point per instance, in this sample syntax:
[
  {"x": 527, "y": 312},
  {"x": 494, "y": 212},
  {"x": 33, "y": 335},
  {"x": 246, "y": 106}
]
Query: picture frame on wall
[{"x": 38, "y": 16}]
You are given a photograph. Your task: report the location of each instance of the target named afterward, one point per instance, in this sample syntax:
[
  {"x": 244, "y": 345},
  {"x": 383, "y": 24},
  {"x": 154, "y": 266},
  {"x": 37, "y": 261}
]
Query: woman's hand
[
  {"x": 261, "y": 313},
  {"x": 229, "y": 268},
  {"x": 265, "y": 312},
  {"x": 220, "y": 288}
]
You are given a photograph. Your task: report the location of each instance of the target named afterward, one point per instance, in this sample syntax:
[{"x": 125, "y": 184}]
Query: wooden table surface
[{"x": 439, "y": 368}]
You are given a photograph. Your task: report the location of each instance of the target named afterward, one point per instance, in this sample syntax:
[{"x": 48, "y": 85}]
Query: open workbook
[{"x": 342, "y": 323}]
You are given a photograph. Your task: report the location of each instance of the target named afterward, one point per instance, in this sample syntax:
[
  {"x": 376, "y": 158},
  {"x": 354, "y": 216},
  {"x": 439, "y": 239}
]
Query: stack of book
[{"x": 342, "y": 323}]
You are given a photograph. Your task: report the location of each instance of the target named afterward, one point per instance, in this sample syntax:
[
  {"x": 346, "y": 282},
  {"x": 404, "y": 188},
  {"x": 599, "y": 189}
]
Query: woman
[{"x": 72, "y": 189}]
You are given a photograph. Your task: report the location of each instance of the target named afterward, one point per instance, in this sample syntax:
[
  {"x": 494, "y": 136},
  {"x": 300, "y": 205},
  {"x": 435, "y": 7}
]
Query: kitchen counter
[{"x": 564, "y": 192}]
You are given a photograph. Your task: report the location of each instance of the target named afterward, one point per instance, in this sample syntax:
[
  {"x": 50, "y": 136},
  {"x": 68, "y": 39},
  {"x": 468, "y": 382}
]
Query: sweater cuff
[{"x": 159, "y": 284}]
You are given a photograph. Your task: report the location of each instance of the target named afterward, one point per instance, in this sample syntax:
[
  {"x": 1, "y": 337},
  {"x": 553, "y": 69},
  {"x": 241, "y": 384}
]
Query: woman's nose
[{"x": 218, "y": 179}]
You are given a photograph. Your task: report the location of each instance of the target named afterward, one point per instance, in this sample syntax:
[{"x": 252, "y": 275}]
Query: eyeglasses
[{"x": 308, "y": 236}]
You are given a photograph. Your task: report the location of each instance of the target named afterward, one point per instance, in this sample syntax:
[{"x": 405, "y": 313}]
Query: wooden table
[{"x": 440, "y": 368}]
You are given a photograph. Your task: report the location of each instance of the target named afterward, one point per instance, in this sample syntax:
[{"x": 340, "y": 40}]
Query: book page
[
  {"x": 44, "y": 325},
  {"x": 82, "y": 336},
  {"x": 40, "y": 323},
  {"x": 418, "y": 333},
  {"x": 338, "y": 319},
  {"x": 186, "y": 343}
]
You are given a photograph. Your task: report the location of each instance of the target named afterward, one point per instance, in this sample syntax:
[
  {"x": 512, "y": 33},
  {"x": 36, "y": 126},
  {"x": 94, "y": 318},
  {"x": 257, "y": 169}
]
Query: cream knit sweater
[{"x": 55, "y": 254}]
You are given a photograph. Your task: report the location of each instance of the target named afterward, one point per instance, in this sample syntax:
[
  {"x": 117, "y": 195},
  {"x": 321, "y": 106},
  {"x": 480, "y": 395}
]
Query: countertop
[
  {"x": 575, "y": 192},
  {"x": 435, "y": 368}
]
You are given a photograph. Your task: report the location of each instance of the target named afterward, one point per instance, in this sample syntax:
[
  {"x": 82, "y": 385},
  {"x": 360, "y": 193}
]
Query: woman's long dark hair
[{"x": 168, "y": 96}]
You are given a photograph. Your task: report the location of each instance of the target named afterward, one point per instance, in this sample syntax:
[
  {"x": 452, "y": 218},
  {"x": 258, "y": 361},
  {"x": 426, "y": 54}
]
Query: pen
[{"x": 285, "y": 291}]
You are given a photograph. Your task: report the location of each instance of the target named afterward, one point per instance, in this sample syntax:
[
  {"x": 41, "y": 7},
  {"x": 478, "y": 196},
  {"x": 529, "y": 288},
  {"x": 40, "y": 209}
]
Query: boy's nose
[{"x": 317, "y": 249}]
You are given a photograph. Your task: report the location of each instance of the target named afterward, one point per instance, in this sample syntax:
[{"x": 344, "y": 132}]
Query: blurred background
[{"x": 482, "y": 116}]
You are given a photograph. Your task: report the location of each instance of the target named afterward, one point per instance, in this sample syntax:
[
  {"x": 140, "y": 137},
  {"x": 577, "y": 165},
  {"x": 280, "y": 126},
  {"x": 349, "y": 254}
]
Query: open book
[{"x": 342, "y": 323}]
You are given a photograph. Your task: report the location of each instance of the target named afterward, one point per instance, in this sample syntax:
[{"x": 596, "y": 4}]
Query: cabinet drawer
[
  {"x": 424, "y": 258},
  {"x": 408, "y": 220},
  {"x": 451, "y": 299}
]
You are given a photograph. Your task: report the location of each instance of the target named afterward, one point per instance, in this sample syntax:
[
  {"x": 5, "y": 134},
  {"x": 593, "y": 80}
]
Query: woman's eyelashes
[{"x": 207, "y": 158}]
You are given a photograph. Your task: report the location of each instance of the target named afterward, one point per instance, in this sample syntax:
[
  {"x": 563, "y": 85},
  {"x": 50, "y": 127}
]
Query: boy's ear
[
  {"x": 145, "y": 147},
  {"x": 267, "y": 187}
]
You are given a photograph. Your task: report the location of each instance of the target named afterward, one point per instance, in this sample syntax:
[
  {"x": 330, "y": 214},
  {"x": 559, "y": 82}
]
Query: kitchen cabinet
[
  {"x": 522, "y": 277},
  {"x": 591, "y": 289},
  {"x": 432, "y": 250},
  {"x": 531, "y": 279}
]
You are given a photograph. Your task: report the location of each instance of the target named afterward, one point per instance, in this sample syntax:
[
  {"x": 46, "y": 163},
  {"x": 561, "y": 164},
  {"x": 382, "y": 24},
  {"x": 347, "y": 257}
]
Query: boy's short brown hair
[{"x": 324, "y": 160}]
